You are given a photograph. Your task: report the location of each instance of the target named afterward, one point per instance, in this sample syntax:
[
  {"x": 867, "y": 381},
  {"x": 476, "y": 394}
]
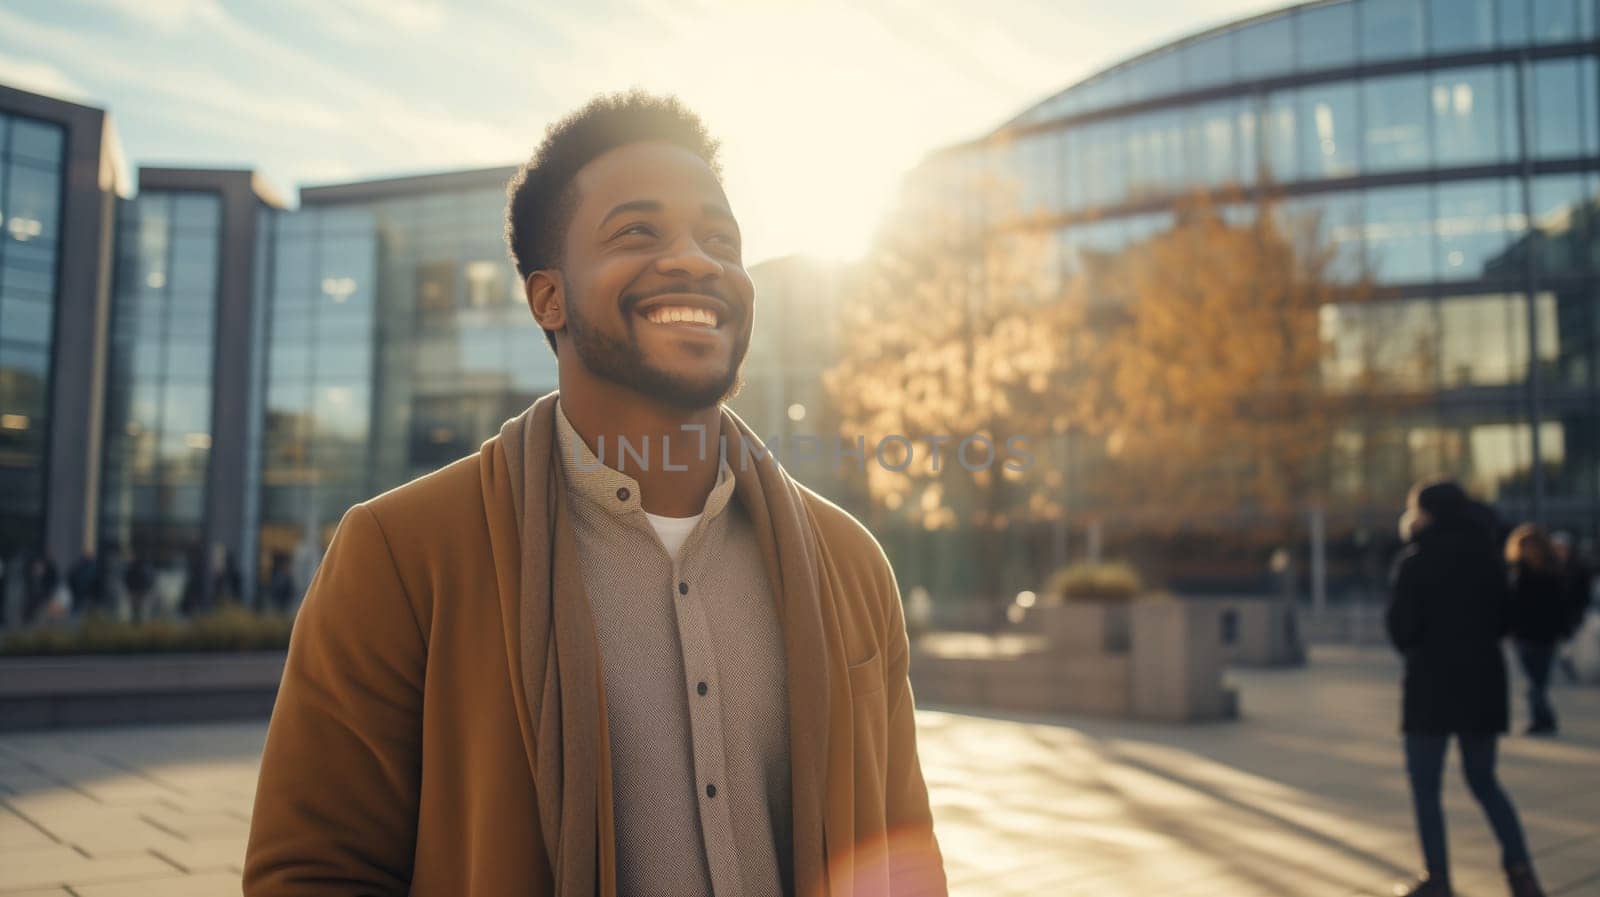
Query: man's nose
[{"x": 687, "y": 259}]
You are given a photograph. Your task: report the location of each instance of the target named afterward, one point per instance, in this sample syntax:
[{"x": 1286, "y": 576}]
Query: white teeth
[{"x": 681, "y": 314}]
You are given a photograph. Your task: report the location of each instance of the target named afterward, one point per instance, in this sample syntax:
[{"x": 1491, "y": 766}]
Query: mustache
[{"x": 630, "y": 301}]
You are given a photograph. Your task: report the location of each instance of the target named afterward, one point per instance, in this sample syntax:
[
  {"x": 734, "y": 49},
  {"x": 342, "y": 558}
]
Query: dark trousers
[
  {"x": 1425, "y": 765},
  {"x": 1537, "y": 658}
]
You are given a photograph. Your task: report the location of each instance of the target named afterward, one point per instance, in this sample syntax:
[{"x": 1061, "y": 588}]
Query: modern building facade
[
  {"x": 61, "y": 172},
  {"x": 183, "y": 354},
  {"x": 399, "y": 340},
  {"x": 1449, "y": 150}
]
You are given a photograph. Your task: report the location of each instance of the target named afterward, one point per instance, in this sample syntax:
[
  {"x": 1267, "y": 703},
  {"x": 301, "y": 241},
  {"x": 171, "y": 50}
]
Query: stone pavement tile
[
  {"x": 207, "y": 855},
  {"x": 204, "y": 824},
  {"x": 99, "y": 823},
  {"x": 125, "y": 790},
  {"x": 18, "y": 832},
  {"x": 123, "y": 837},
  {"x": 215, "y": 884},
  {"x": 43, "y": 867}
]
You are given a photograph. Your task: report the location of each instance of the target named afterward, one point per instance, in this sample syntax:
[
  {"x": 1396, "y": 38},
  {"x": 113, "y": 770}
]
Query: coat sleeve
[
  {"x": 1404, "y": 617},
  {"x": 916, "y": 866},
  {"x": 336, "y": 802}
]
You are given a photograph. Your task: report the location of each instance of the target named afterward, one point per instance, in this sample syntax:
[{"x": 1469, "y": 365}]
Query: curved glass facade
[
  {"x": 32, "y": 160},
  {"x": 1322, "y": 38},
  {"x": 1449, "y": 150}
]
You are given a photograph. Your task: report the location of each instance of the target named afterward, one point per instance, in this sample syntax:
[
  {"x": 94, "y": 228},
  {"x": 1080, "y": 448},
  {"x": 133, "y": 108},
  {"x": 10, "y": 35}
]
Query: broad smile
[
  {"x": 683, "y": 316},
  {"x": 685, "y": 311}
]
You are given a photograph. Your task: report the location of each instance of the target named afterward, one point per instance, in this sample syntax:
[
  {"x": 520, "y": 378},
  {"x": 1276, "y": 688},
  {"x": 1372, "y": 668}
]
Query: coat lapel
[
  {"x": 552, "y": 650},
  {"x": 789, "y": 551}
]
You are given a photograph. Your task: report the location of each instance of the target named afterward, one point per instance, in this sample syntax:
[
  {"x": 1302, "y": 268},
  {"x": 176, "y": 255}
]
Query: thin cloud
[{"x": 40, "y": 77}]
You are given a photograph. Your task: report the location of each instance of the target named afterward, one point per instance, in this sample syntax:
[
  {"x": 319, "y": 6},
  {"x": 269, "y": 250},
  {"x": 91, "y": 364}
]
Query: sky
[{"x": 821, "y": 106}]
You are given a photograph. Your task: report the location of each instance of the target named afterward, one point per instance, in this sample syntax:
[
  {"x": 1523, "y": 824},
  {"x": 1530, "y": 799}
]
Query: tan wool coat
[{"x": 439, "y": 730}]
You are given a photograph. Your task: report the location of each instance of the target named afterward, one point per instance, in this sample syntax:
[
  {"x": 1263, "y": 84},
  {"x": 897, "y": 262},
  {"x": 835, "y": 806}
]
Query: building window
[
  {"x": 1391, "y": 29},
  {"x": 1326, "y": 120},
  {"x": 1473, "y": 121},
  {"x": 1456, "y": 26},
  {"x": 1325, "y": 36},
  {"x": 1395, "y": 124}
]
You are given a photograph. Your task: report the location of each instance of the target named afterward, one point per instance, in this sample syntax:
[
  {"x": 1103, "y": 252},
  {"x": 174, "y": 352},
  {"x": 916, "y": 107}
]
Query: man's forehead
[{"x": 652, "y": 171}]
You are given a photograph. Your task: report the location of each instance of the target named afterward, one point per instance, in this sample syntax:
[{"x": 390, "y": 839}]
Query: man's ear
[{"x": 546, "y": 292}]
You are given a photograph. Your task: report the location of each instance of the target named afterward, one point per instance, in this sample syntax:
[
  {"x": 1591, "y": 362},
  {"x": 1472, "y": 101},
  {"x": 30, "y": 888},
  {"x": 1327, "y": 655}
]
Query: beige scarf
[{"x": 560, "y": 655}]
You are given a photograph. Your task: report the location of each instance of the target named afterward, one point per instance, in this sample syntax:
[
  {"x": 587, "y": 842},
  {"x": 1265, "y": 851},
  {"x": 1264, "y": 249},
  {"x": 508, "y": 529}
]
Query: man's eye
[
  {"x": 639, "y": 229},
  {"x": 728, "y": 239}
]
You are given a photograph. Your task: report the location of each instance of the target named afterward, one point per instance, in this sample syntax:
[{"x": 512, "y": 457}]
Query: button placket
[{"x": 706, "y": 727}]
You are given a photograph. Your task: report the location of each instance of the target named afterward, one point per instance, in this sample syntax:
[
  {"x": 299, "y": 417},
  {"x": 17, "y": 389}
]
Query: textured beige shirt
[{"x": 693, "y": 661}]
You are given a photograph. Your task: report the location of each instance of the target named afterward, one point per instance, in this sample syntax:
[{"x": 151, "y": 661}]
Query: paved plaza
[{"x": 1304, "y": 796}]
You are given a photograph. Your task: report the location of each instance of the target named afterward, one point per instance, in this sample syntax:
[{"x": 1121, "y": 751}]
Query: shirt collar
[{"x": 617, "y": 493}]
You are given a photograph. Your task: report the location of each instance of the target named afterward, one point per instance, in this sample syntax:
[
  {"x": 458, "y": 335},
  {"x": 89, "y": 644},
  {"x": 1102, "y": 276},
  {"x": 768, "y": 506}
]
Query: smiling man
[{"x": 602, "y": 655}]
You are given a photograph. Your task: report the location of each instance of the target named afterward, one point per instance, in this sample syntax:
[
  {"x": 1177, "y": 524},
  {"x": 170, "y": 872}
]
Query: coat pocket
[{"x": 866, "y": 677}]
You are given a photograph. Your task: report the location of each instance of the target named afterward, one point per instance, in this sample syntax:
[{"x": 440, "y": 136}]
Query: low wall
[
  {"x": 1259, "y": 631},
  {"x": 101, "y": 690},
  {"x": 1154, "y": 659}
]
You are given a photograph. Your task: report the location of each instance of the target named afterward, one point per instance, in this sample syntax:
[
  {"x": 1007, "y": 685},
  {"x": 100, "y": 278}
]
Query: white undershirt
[{"x": 672, "y": 531}]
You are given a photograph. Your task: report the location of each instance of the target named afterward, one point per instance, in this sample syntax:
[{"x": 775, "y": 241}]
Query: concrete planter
[
  {"x": 96, "y": 690},
  {"x": 1155, "y": 659},
  {"x": 1260, "y": 632},
  {"x": 1178, "y": 662},
  {"x": 1080, "y": 626}
]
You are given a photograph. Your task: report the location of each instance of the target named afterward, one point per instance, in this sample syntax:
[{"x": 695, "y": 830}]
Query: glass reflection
[
  {"x": 1395, "y": 135},
  {"x": 1391, "y": 29},
  {"x": 1326, "y": 36},
  {"x": 1460, "y": 25},
  {"x": 1266, "y": 47},
  {"x": 1328, "y": 137},
  {"x": 1560, "y": 92},
  {"x": 1398, "y": 234},
  {"x": 1472, "y": 121},
  {"x": 1477, "y": 227},
  {"x": 158, "y": 419},
  {"x": 31, "y": 166}
]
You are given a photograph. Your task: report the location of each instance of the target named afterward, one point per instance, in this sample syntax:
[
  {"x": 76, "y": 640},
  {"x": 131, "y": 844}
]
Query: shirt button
[
  {"x": 683, "y": 588},
  {"x": 622, "y": 494},
  {"x": 711, "y": 791},
  {"x": 701, "y": 688}
]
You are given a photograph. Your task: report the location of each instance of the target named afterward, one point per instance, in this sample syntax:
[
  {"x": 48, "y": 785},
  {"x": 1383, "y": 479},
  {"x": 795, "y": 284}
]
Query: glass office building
[
  {"x": 160, "y": 388},
  {"x": 1448, "y": 149},
  {"x": 398, "y": 340},
  {"x": 32, "y": 156}
]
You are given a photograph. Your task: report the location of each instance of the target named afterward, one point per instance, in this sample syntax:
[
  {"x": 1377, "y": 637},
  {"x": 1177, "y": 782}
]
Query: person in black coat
[
  {"x": 138, "y": 579},
  {"x": 1448, "y": 610},
  {"x": 1540, "y": 616}
]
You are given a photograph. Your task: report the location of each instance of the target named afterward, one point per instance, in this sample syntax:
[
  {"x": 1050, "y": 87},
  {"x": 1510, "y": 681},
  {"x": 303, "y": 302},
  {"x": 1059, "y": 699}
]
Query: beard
[{"x": 621, "y": 361}]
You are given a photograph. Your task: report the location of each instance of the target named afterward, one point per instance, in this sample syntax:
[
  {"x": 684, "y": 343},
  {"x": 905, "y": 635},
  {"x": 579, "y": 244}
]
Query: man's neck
[{"x": 672, "y": 453}]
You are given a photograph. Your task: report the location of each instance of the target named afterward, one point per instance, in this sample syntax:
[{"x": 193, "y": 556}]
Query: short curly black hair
[{"x": 540, "y": 196}]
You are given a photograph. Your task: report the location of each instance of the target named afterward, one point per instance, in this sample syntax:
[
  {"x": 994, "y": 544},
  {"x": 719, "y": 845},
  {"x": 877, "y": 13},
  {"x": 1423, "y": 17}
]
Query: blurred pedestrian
[
  {"x": 1540, "y": 616},
  {"x": 138, "y": 579},
  {"x": 226, "y": 584},
  {"x": 40, "y": 586},
  {"x": 84, "y": 581},
  {"x": 280, "y": 583},
  {"x": 1448, "y": 611}
]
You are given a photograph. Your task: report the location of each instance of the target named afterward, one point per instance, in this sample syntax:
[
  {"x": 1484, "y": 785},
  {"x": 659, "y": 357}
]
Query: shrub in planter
[
  {"x": 1085, "y": 608},
  {"x": 229, "y": 628},
  {"x": 1113, "y": 581}
]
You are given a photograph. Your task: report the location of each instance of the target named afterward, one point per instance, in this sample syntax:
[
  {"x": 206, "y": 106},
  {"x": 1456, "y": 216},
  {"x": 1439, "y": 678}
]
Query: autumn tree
[
  {"x": 957, "y": 342},
  {"x": 1219, "y": 387}
]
